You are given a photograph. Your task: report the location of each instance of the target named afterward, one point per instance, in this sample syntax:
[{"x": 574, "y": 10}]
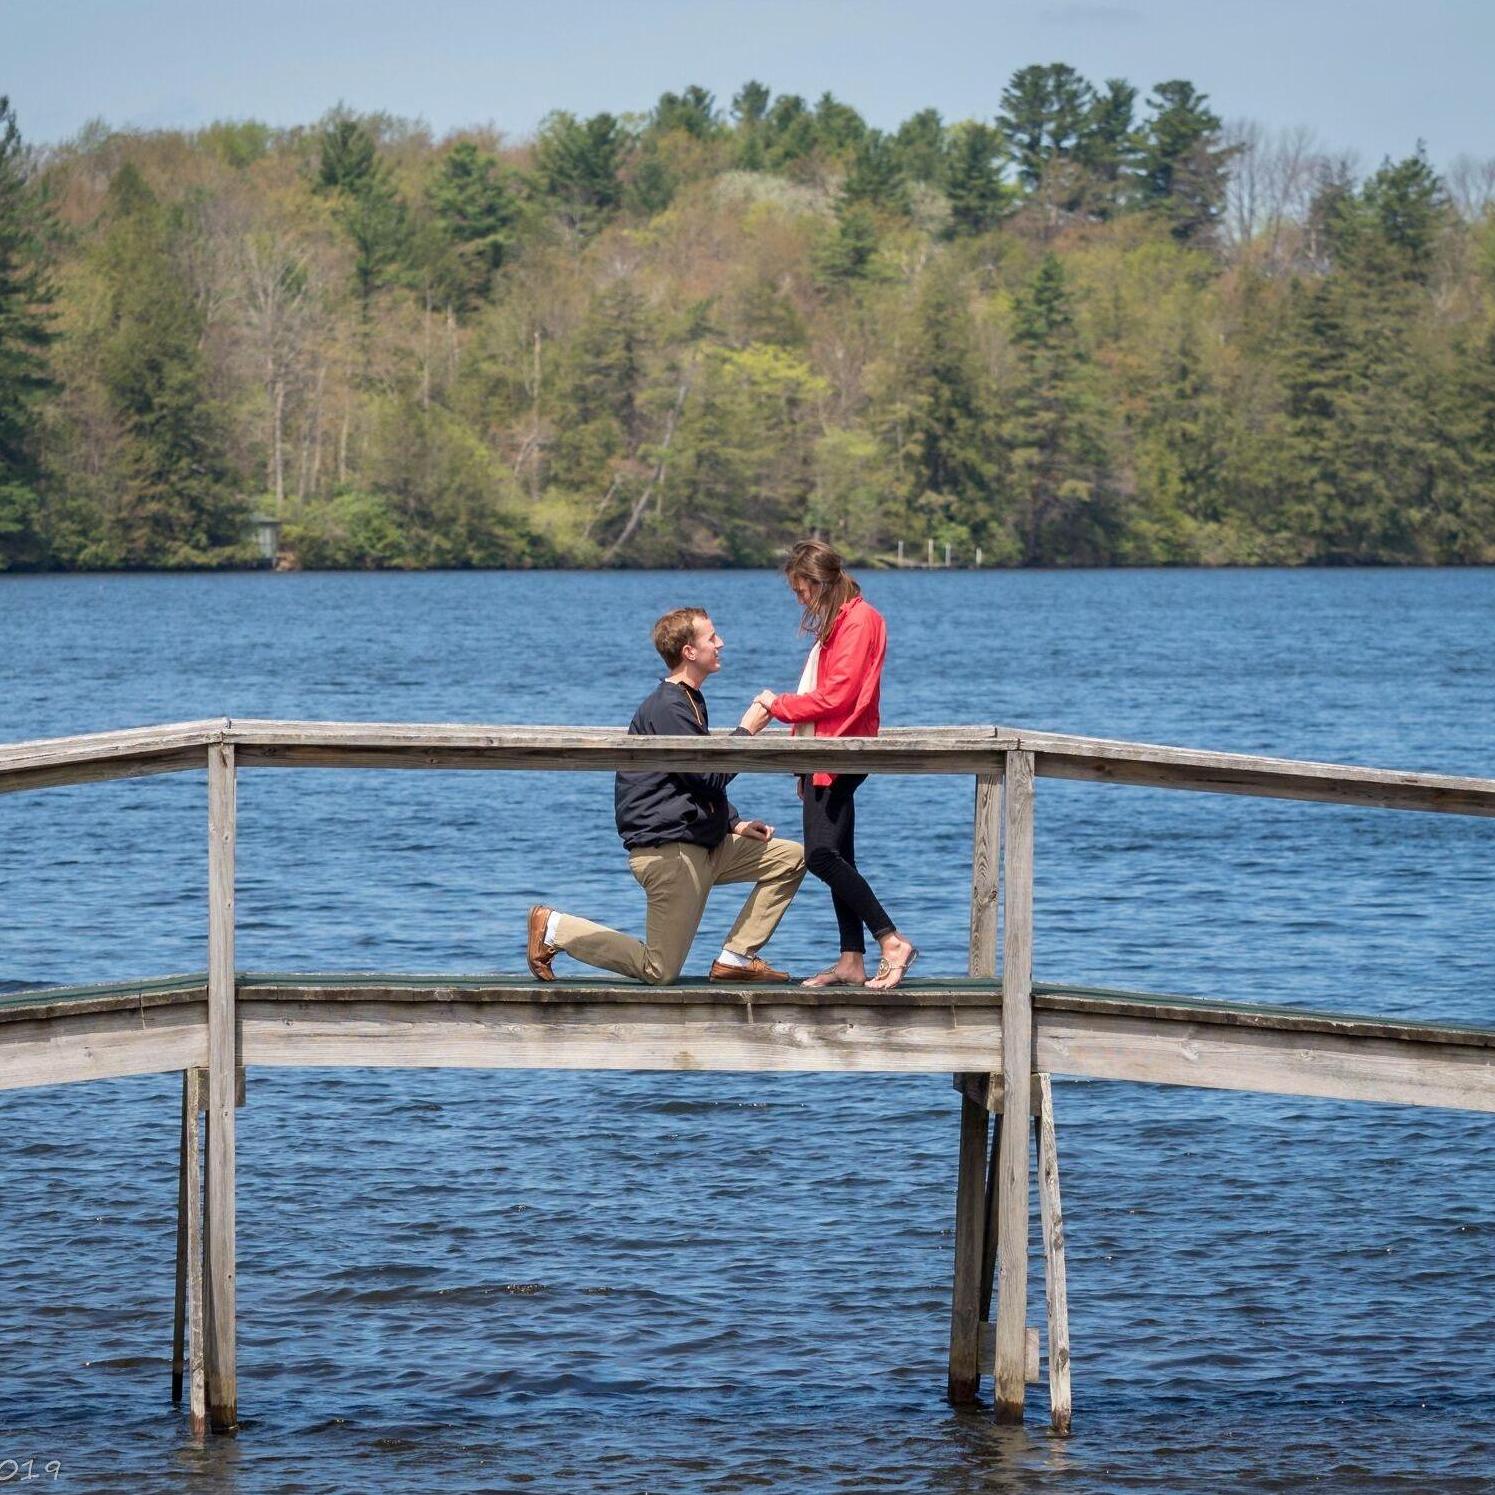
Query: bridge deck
[{"x": 55, "y": 1035}]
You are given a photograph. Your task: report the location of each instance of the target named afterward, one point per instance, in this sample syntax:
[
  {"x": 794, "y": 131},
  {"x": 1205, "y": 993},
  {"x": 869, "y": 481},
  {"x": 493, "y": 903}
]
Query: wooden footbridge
[{"x": 1001, "y": 1039}]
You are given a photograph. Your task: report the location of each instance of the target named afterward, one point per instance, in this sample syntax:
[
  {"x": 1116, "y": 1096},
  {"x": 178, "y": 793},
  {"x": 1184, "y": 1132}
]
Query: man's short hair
[{"x": 674, "y": 631}]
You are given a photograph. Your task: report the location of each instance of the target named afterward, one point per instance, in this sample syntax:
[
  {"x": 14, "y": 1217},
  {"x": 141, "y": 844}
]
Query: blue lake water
[{"x": 634, "y": 1282}]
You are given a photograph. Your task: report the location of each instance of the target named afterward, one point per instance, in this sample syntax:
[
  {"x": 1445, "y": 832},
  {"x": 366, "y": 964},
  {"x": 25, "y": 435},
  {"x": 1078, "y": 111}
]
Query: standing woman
[{"x": 838, "y": 697}]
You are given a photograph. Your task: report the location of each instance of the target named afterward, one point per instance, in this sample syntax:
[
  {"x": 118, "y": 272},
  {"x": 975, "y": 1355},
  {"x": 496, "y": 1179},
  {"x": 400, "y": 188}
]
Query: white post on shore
[
  {"x": 930, "y": 562},
  {"x": 900, "y": 555}
]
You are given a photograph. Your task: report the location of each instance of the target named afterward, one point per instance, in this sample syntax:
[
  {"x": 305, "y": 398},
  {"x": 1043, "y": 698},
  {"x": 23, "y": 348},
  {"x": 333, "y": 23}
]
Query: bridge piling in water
[{"x": 1001, "y": 1039}]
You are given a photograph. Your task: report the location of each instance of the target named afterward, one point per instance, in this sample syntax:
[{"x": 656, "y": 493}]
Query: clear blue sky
[{"x": 1368, "y": 76}]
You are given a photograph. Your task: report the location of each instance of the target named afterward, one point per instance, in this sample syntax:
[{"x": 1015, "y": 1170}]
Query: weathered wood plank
[
  {"x": 172, "y": 747},
  {"x": 222, "y": 1066},
  {"x": 196, "y": 1081},
  {"x": 102, "y": 1046},
  {"x": 965, "y": 993},
  {"x": 964, "y": 1378},
  {"x": 986, "y": 1091},
  {"x": 1259, "y": 1060},
  {"x": 991, "y": 1223},
  {"x": 986, "y": 850},
  {"x": 247, "y": 733},
  {"x": 1032, "y": 1359},
  {"x": 772, "y": 753},
  {"x": 179, "y": 1300},
  {"x": 701, "y": 1028},
  {"x": 140, "y": 766},
  {"x": 43, "y": 752},
  {"x": 1056, "y": 1290},
  {"x": 789, "y": 1039},
  {"x": 1155, "y": 766},
  {"x": 135, "y": 753},
  {"x": 1016, "y": 1069}
]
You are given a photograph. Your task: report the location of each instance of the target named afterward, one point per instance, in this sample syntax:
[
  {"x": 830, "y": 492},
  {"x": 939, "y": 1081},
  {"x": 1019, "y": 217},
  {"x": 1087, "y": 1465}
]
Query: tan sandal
[
  {"x": 831, "y": 979},
  {"x": 896, "y": 969}
]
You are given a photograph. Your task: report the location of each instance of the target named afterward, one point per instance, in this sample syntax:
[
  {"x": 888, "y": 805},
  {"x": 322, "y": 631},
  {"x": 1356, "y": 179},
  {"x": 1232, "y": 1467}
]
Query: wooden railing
[{"x": 1005, "y": 764}]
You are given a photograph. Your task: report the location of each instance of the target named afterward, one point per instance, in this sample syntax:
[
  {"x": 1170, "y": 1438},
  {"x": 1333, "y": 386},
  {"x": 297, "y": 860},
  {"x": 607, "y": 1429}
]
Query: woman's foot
[
  {"x": 850, "y": 970},
  {"x": 898, "y": 954}
]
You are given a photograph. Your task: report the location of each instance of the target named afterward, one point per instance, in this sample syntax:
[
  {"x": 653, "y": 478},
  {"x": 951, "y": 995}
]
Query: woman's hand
[
  {"x": 755, "y": 718},
  {"x": 765, "y": 699}
]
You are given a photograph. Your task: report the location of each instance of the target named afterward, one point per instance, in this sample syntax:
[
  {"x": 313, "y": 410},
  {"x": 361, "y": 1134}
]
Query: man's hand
[
  {"x": 755, "y": 718},
  {"x": 754, "y": 830}
]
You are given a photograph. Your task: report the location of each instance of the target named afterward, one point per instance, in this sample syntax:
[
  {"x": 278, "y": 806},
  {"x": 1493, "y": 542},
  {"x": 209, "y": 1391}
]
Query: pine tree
[
  {"x": 1108, "y": 146},
  {"x": 838, "y": 127},
  {"x": 579, "y": 168},
  {"x": 349, "y": 154},
  {"x": 788, "y": 132},
  {"x": 693, "y": 111},
  {"x": 1182, "y": 457},
  {"x": 973, "y": 181},
  {"x": 1056, "y": 457},
  {"x": 598, "y": 415},
  {"x": 749, "y": 110},
  {"x": 948, "y": 455},
  {"x": 920, "y": 145},
  {"x": 848, "y": 253},
  {"x": 175, "y": 507},
  {"x": 25, "y": 332},
  {"x": 375, "y": 220},
  {"x": 876, "y": 176},
  {"x": 1182, "y": 164},
  {"x": 477, "y": 211},
  {"x": 1043, "y": 117},
  {"x": 1407, "y": 210},
  {"x": 368, "y": 207}
]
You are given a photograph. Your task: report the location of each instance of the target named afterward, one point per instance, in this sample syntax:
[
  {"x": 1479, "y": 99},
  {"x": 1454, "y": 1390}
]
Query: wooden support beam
[
  {"x": 965, "y": 1303},
  {"x": 179, "y": 1313},
  {"x": 222, "y": 1374},
  {"x": 986, "y": 1091},
  {"x": 195, "y": 1086},
  {"x": 1056, "y": 1293},
  {"x": 970, "y": 1300},
  {"x": 991, "y": 1224},
  {"x": 1032, "y": 1352},
  {"x": 986, "y": 851},
  {"x": 1017, "y": 1070}
]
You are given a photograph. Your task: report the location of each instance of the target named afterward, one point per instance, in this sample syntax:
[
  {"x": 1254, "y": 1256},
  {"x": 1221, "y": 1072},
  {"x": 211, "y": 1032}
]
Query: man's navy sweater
[{"x": 654, "y": 809}]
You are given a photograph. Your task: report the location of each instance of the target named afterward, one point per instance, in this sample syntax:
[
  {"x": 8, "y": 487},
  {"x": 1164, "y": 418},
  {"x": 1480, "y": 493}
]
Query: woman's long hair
[{"x": 819, "y": 568}]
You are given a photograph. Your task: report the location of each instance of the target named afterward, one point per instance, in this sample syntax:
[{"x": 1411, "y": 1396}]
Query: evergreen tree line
[{"x": 1093, "y": 329}]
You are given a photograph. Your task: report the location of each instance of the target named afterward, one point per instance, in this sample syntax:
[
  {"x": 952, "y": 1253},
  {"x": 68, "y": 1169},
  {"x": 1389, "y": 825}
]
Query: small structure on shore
[{"x": 263, "y": 530}]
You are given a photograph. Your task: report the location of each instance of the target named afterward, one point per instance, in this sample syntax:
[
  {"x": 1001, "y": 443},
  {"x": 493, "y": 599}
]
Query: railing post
[
  {"x": 968, "y": 1288},
  {"x": 1017, "y": 1078},
  {"x": 985, "y": 858},
  {"x": 222, "y": 1374}
]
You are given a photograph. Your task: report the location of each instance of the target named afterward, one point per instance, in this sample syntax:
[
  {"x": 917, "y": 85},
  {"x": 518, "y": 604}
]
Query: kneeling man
[{"x": 683, "y": 836}]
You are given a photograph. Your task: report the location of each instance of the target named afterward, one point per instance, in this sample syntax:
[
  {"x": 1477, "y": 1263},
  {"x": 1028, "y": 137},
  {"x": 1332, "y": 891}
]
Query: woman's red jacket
[{"x": 844, "y": 702}]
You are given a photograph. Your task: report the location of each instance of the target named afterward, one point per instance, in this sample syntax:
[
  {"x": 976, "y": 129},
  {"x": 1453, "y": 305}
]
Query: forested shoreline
[{"x": 1100, "y": 327}]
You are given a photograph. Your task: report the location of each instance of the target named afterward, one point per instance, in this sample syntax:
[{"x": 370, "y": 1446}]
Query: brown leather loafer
[
  {"x": 540, "y": 954},
  {"x": 759, "y": 970}
]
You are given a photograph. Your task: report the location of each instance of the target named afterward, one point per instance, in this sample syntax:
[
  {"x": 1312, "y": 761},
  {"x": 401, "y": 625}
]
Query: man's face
[{"x": 705, "y": 650}]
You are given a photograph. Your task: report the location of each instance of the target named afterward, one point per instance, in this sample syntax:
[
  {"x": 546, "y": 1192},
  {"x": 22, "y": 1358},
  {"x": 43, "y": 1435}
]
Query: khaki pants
[{"x": 677, "y": 879}]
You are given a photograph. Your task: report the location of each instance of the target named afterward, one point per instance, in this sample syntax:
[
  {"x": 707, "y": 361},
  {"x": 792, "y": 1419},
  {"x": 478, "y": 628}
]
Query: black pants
[{"x": 830, "y": 834}]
